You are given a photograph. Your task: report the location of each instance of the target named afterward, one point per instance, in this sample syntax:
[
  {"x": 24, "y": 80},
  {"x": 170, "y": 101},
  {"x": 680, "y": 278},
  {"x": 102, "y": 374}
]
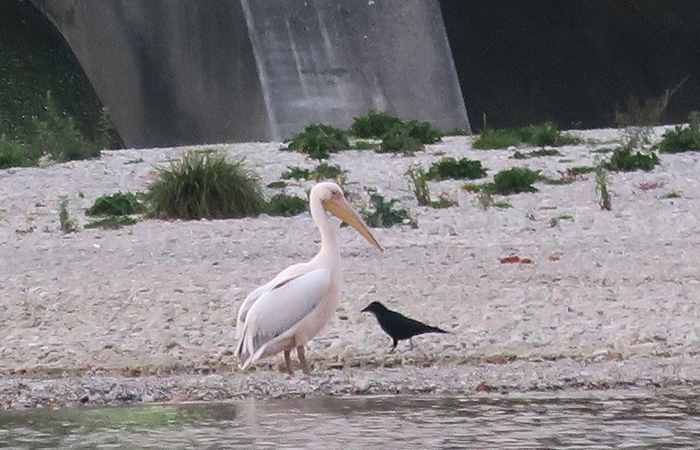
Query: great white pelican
[{"x": 294, "y": 306}]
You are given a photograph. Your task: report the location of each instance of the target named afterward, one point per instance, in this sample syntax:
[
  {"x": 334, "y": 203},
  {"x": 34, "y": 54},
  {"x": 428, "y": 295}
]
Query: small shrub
[
  {"x": 515, "y": 180},
  {"x": 450, "y": 168},
  {"x": 366, "y": 145},
  {"x": 374, "y": 125},
  {"x": 319, "y": 140},
  {"x": 67, "y": 225},
  {"x": 601, "y": 187},
  {"x": 672, "y": 194},
  {"x": 111, "y": 222},
  {"x": 204, "y": 185},
  {"x": 327, "y": 172},
  {"x": 682, "y": 139},
  {"x": 423, "y": 131},
  {"x": 285, "y": 205},
  {"x": 399, "y": 140},
  {"x": 14, "y": 154},
  {"x": 383, "y": 214},
  {"x": 503, "y": 138},
  {"x": 626, "y": 160},
  {"x": 58, "y": 136},
  {"x": 649, "y": 113},
  {"x": 538, "y": 135},
  {"x": 119, "y": 204}
]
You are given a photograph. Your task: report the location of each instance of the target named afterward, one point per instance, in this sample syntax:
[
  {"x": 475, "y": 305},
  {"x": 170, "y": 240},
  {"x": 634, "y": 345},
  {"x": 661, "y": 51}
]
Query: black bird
[{"x": 398, "y": 326}]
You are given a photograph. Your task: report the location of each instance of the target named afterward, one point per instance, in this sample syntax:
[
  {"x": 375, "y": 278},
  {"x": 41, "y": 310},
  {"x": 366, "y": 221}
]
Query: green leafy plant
[
  {"x": 204, "y": 185},
  {"x": 285, "y": 205},
  {"x": 319, "y": 141},
  {"x": 682, "y": 139},
  {"x": 399, "y": 140},
  {"x": 119, "y": 204},
  {"x": 515, "y": 180},
  {"x": 554, "y": 221},
  {"x": 625, "y": 159},
  {"x": 672, "y": 194},
  {"x": 382, "y": 213},
  {"x": 537, "y": 135},
  {"x": 366, "y": 145},
  {"x": 323, "y": 171},
  {"x": 374, "y": 125},
  {"x": 67, "y": 224},
  {"x": 602, "y": 189},
  {"x": 111, "y": 222},
  {"x": 450, "y": 168}
]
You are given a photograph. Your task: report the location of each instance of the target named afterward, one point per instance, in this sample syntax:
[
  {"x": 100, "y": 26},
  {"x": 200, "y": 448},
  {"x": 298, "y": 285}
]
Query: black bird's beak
[{"x": 365, "y": 309}]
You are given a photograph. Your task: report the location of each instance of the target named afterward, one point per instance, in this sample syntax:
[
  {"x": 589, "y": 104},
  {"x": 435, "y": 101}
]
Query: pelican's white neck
[{"x": 329, "y": 234}]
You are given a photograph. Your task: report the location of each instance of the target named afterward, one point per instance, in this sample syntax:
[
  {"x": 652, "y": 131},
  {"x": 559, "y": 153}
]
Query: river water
[{"x": 631, "y": 419}]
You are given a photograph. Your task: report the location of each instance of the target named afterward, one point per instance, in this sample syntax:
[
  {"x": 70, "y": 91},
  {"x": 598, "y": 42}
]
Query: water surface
[{"x": 560, "y": 420}]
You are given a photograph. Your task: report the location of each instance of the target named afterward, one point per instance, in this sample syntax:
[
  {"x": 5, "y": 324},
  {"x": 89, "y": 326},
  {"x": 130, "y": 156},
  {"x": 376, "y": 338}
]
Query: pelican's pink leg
[
  {"x": 302, "y": 360},
  {"x": 288, "y": 362}
]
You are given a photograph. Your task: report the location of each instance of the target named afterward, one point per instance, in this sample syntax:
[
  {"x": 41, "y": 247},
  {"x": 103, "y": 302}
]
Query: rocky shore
[{"x": 147, "y": 312}]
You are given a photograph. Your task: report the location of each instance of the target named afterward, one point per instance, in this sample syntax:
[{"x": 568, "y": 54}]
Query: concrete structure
[{"x": 174, "y": 72}]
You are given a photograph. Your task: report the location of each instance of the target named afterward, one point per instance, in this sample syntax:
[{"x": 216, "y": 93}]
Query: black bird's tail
[{"x": 430, "y": 329}]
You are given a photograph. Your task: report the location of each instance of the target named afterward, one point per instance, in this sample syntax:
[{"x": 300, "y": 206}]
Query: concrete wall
[
  {"x": 329, "y": 61},
  {"x": 170, "y": 72},
  {"x": 174, "y": 72}
]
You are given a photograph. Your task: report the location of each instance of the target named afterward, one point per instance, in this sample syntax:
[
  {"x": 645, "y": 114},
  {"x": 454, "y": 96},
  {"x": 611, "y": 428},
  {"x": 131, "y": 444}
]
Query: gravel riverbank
[{"x": 147, "y": 312}]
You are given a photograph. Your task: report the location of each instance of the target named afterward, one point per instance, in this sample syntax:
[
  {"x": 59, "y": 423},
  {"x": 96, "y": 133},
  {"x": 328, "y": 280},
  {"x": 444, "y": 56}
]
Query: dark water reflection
[{"x": 571, "y": 420}]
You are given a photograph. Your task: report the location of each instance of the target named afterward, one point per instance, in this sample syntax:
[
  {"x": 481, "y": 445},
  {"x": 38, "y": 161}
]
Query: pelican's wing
[
  {"x": 280, "y": 309},
  {"x": 287, "y": 274}
]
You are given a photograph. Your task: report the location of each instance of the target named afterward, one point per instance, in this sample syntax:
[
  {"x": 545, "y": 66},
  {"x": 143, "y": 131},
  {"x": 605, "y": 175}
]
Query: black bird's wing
[{"x": 400, "y": 327}]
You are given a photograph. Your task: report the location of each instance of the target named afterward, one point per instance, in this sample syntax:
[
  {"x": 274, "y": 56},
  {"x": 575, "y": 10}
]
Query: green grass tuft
[
  {"x": 374, "y": 125},
  {"x": 203, "y": 185}
]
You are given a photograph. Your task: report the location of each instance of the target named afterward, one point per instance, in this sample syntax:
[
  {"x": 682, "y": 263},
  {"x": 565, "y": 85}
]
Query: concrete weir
[{"x": 177, "y": 72}]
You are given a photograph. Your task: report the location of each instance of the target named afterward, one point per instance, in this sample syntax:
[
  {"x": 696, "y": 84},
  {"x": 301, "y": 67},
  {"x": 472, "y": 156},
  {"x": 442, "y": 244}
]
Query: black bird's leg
[
  {"x": 394, "y": 347},
  {"x": 411, "y": 341}
]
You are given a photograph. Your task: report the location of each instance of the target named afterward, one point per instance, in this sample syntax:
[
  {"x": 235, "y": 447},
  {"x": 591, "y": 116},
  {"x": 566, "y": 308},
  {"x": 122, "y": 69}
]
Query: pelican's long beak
[{"x": 341, "y": 209}]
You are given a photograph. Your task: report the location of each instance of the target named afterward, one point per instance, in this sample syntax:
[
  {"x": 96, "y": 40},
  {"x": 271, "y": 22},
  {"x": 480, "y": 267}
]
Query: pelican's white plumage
[{"x": 294, "y": 306}]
